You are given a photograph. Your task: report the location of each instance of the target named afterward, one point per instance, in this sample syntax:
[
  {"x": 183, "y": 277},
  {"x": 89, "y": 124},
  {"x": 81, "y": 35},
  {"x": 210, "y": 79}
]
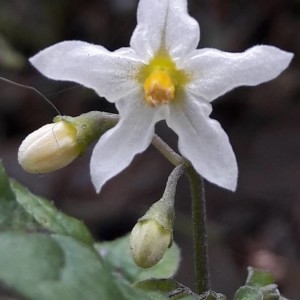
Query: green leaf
[
  {"x": 118, "y": 256},
  {"x": 12, "y": 215},
  {"x": 40, "y": 266},
  {"x": 164, "y": 285},
  {"x": 47, "y": 215},
  {"x": 248, "y": 293},
  {"x": 258, "y": 278},
  {"x": 158, "y": 288},
  {"x": 165, "y": 289},
  {"x": 21, "y": 210}
]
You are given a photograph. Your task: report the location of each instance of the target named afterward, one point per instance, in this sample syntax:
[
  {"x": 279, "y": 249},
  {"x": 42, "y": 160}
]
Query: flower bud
[
  {"x": 153, "y": 234},
  {"x": 49, "y": 148},
  {"x": 55, "y": 145},
  {"x": 149, "y": 242}
]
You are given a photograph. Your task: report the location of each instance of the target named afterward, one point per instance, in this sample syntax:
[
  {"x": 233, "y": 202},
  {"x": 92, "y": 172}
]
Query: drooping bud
[
  {"x": 149, "y": 242},
  {"x": 56, "y": 145},
  {"x": 153, "y": 233}
]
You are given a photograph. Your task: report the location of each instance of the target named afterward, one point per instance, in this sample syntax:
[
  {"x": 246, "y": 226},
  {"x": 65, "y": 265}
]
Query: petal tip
[
  {"x": 289, "y": 57},
  {"x": 233, "y": 186},
  {"x": 96, "y": 182},
  {"x": 32, "y": 60},
  {"x": 230, "y": 184}
]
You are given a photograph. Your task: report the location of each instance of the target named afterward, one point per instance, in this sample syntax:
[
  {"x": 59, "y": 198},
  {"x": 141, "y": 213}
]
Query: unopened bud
[
  {"x": 149, "y": 242},
  {"x": 153, "y": 234},
  {"x": 55, "y": 145},
  {"x": 49, "y": 148}
]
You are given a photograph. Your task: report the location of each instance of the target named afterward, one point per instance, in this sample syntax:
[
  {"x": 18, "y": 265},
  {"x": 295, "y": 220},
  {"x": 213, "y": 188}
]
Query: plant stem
[
  {"x": 170, "y": 190},
  {"x": 199, "y": 230},
  {"x": 166, "y": 151}
]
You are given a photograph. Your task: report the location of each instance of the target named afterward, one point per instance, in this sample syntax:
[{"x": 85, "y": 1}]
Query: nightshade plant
[{"x": 161, "y": 76}]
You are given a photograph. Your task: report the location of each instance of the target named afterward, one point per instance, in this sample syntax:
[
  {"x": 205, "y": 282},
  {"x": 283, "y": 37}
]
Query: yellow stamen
[
  {"x": 159, "y": 88},
  {"x": 161, "y": 80}
]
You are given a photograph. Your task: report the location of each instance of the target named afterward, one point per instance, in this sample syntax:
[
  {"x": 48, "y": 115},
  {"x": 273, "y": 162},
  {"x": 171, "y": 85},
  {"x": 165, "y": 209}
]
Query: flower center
[
  {"x": 159, "y": 88},
  {"x": 161, "y": 80}
]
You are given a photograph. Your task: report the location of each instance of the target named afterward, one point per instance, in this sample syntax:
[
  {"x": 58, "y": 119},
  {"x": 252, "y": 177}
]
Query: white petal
[
  {"x": 203, "y": 142},
  {"x": 110, "y": 74},
  {"x": 216, "y": 72},
  {"x": 118, "y": 146},
  {"x": 164, "y": 24}
]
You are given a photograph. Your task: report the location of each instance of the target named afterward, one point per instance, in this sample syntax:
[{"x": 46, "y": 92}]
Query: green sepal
[
  {"x": 258, "y": 278},
  {"x": 270, "y": 292},
  {"x": 90, "y": 126},
  {"x": 211, "y": 295},
  {"x": 259, "y": 285},
  {"x": 162, "y": 212}
]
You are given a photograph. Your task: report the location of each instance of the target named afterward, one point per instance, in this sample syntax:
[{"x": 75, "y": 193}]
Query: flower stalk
[
  {"x": 166, "y": 151},
  {"x": 199, "y": 230}
]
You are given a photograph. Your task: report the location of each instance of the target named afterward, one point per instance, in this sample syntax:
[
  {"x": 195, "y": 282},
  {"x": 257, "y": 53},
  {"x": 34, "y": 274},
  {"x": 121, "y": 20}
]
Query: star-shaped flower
[{"x": 162, "y": 76}]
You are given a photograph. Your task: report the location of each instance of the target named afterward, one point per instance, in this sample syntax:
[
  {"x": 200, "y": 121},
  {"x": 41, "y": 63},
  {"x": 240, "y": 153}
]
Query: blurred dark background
[{"x": 259, "y": 224}]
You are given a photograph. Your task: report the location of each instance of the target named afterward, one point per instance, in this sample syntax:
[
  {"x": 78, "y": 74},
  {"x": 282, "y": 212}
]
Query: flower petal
[
  {"x": 216, "y": 72},
  {"x": 164, "y": 24},
  {"x": 203, "y": 141},
  {"x": 118, "y": 146},
  {"x": 110, "y": 74}
]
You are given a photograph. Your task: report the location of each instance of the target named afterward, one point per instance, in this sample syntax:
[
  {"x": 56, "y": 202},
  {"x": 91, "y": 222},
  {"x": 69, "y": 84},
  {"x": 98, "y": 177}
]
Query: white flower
[{"x": 162, "y": 76}]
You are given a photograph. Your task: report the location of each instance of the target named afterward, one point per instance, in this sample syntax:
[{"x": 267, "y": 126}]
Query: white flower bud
[
  {"x": 149, "y": 242},
  {"x": 49, "y": 148}
]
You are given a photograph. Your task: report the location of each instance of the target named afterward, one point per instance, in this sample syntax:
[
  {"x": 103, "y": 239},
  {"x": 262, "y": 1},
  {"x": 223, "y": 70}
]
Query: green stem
[
  {"x": 166, "y": 151},
  {"x": 163, "y": 211},
  {"x": 170, "y": 190},
  {"x": 199, "y": 230}
]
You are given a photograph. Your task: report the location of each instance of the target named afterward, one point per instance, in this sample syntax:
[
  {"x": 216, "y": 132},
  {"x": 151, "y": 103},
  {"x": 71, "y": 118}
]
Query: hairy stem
[
  {"x": 199, "y": 230},
  {"x": 171, "y": 184},
  {"x": 166, "y": 151}
]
